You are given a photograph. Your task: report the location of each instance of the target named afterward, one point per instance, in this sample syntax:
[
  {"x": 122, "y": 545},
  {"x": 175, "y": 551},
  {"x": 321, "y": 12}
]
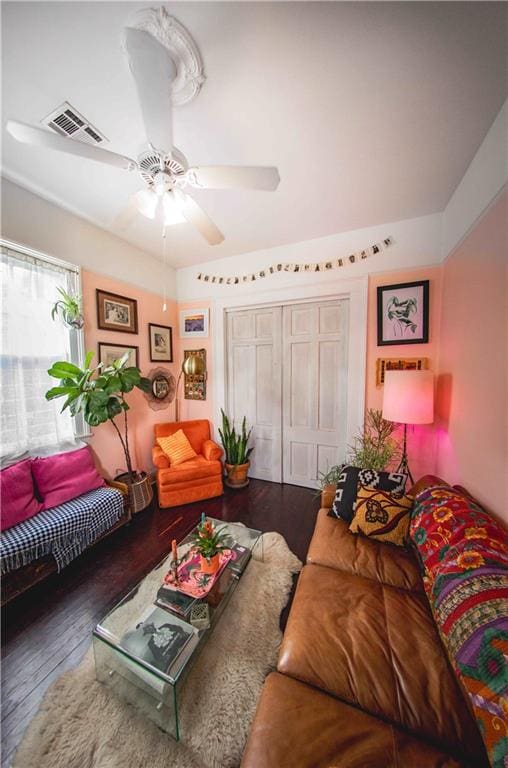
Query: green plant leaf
[
  {"x": 144, "y": 384},
  {"x": 63, "y": 368}
]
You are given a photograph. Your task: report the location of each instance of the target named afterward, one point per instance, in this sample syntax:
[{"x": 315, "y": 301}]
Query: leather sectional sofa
[{"x": 363, "y": 680}]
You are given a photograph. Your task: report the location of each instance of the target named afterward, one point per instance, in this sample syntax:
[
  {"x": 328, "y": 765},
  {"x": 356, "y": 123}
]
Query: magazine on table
[
  {"x": 240, "y": 558},
  {"x": 158, "y": 638},
  {"x": 173, "y": 600}
]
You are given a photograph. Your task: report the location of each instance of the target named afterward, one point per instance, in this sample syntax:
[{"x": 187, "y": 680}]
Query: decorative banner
[{"x": 322, "y": 266}]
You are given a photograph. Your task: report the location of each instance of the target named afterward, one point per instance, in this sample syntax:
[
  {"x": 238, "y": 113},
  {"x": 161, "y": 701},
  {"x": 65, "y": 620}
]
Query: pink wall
[
  {"x": 105, "y": 442},
  {"x": 422, "y": 439},
  {"x": 473, "y": 379}
]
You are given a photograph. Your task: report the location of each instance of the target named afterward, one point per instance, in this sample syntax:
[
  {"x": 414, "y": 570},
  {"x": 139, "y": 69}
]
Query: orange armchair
[{"x": 194, "y": 480}]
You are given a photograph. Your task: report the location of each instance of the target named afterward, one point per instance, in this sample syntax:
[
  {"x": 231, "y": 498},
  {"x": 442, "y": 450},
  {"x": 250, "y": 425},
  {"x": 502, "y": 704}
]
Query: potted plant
[
  {"x": 69, "y": 309},
  {"x": 374, "y": 447},
  {"x": 327, "y": 482},
  {"x": 209, "y": 543},
  {"x": 99, "y": 394},
  {"x": 236, "y": 452}
]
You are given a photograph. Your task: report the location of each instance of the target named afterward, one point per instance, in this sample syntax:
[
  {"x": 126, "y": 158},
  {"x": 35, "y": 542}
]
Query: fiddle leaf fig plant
[{"x": 99, "y": 394}]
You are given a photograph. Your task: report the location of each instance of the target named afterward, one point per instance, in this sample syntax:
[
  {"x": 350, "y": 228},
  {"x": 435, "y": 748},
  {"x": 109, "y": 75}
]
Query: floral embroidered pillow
[{"x": 379, "y": 516}]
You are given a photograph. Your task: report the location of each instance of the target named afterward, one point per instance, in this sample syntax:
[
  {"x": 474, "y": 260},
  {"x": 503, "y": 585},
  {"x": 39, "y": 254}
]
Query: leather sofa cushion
[
  {"x": 376, "y": 647},
  {"x": 297, "y": 726},
  {"x": 335, "y": 546},
  {"x": 194, "y": 469}
]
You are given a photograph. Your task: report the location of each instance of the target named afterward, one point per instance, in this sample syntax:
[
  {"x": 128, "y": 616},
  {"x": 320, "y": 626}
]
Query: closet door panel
[
  {"x": 313, "y": 390},
  {"x": 254, "y": 385}
]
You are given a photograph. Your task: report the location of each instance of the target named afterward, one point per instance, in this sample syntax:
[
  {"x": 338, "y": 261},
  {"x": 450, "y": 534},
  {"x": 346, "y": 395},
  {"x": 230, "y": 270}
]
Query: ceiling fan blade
[
  {"x": 29, "y": 134},
  {"x": 234, "y": 177},
  {"x": 153, "y": 70},
  {"x": 196, "y": 216}
]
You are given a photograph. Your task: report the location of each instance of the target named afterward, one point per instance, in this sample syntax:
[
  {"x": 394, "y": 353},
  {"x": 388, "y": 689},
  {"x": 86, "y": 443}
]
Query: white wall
[
  {"x": 416, "y": 243},
  {"x": 30, "y": 220},
  {"x": 483, "y": 181}
]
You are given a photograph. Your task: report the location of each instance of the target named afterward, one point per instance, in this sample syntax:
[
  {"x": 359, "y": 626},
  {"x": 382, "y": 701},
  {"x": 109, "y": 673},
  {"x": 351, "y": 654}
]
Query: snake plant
[{"x": 235, "y": 443}]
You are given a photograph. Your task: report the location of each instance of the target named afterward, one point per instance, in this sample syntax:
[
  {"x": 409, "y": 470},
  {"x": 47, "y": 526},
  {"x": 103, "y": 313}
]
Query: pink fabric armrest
[
  {"x": 211, "y": 451},
  {"x": 159, "y": 458}
]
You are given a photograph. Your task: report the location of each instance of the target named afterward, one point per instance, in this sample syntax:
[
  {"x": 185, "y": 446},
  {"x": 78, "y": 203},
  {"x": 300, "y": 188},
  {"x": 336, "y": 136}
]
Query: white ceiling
[{"x": 371, "y": 111}]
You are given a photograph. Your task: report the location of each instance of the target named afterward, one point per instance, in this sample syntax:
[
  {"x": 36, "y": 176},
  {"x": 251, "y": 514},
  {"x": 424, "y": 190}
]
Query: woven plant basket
[{"x": 140, "y": 492}]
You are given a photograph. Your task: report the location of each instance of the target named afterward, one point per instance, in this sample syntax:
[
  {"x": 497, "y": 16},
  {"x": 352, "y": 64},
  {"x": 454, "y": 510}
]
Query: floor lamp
[
  {"x": 408, "y": 398},
  {"x": 191, "y": 366}
]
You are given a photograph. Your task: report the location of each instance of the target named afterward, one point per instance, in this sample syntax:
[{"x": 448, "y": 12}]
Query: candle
[{"x": 174, "y": 551}]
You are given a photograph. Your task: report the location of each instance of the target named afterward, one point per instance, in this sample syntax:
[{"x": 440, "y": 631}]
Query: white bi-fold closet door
[{"x": 286, "y": 372}]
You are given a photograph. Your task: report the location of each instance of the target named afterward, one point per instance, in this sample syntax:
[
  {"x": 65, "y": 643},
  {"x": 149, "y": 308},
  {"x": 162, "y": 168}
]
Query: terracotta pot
[
  {"x": 236, "y": 475},
  {"x": 210, "y": 565},
  {"x": 327, "y": 496}
]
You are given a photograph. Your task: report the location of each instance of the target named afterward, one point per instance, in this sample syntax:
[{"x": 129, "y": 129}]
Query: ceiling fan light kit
[{"x": 167, "y": 69}]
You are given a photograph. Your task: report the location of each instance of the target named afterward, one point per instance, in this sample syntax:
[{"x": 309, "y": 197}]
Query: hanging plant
[{"x": 68, "y": 308}]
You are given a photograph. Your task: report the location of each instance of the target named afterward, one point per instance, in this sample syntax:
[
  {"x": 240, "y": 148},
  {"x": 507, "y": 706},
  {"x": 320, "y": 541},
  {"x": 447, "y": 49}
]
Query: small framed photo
[
  {"x": 194, "y": 323},
  {"x": 384, "y": 364},
  {"x": 116, "y": 313},
  {"x": 161, "y": 343},
  {"x": 403, "y": 313},
  {"x": 108, "y": 353},
  {"x": 160, "y": 387}
]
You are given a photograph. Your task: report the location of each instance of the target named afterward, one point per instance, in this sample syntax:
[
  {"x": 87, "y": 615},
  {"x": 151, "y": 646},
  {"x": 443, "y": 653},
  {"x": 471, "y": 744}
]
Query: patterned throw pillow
[
  {"x": 349, "y": 482},
  {"x": 177, "y": 448},
  {"x": 464, "y": 554},
  {"x": 379, "y": 516}
]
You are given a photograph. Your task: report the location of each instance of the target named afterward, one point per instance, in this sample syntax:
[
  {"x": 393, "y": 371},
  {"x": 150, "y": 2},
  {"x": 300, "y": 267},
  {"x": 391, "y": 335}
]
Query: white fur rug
[{"x": 81, "y": 724}]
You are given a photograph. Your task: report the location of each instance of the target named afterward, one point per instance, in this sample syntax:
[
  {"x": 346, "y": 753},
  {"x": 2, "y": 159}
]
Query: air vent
[{"x": 67, "y": 121}]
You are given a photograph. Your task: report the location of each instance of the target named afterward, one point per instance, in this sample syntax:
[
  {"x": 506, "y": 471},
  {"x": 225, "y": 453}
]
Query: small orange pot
[
  {"x": 328, "y": 496},
  {"x": 210, "y": 565},
  {"x": 236, "y": 475}
]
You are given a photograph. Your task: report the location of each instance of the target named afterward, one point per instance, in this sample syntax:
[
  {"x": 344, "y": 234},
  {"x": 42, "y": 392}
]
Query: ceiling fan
[{"x": 163, "y": 168}]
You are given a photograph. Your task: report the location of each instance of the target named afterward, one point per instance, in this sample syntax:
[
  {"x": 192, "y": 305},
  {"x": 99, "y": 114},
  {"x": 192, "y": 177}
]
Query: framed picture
[
  {"x": 403, "y": 313},
  {"x": 398, "y": 364},
  {"x": 195, "y": 386},
  {"x": 160, "y": 387},
  {"x": 116, "y": 313},
  {"x": 194, "y": 323},
  {"x": 161, "y": 343},
  {"x": 110, "y": 352}
]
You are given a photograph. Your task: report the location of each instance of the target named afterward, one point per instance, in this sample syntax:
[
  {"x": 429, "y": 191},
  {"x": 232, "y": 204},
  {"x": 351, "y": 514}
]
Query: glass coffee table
[{"x": 144, "y": 651}]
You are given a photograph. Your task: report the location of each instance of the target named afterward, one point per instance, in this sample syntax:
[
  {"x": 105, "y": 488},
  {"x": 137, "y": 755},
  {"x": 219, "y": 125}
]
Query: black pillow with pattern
[{"x": 352, "y": 478}]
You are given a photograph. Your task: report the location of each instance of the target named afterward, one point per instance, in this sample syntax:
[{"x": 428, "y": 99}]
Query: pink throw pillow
[
  {"x": 65, "y": 476},
  {"x": 17, "y": 494}
]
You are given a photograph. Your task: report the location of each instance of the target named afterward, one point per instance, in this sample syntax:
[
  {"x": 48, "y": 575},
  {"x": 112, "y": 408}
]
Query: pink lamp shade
[{"x": 408, "y": 397}]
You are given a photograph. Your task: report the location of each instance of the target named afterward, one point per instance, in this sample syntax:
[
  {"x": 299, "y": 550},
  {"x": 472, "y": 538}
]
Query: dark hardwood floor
[{"x": 47, "y": 630}]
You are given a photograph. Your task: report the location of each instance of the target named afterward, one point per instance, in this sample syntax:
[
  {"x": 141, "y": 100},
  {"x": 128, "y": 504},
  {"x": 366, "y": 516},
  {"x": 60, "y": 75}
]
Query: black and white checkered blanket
[{"x": 64, "y": 531}]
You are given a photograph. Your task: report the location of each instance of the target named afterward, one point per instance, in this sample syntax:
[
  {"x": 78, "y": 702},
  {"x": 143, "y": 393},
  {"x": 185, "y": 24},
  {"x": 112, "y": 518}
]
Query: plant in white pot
[
  {"x": 68, "y": 307},
  {"x": 99, "y": 394},
  {"x": 236, "y": 452}
]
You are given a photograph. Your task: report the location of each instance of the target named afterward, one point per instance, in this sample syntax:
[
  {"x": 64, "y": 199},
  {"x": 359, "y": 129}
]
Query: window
[{"x": 30, "y": 343}]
